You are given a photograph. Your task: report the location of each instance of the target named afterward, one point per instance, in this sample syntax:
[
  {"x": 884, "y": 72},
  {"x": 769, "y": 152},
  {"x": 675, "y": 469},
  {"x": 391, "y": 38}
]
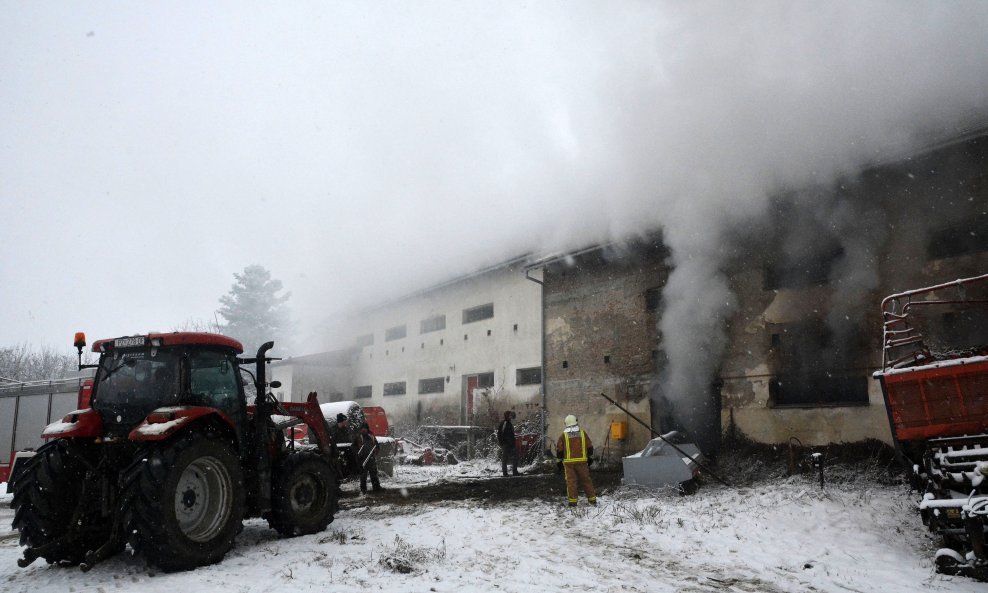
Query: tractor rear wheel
[
  {"x": 47, "y": 492},
  {"x": 187, "y": 502},
  {"x": 303, "y": 495}
]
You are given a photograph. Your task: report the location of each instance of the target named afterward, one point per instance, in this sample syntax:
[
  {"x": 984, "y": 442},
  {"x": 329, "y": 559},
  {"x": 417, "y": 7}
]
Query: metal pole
[{"x": 544, "y": 421}]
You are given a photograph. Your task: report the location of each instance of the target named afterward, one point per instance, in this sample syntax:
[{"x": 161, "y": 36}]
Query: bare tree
[
  {"x": 23, "y": 363},
  {"x": 191, "y": 324}
]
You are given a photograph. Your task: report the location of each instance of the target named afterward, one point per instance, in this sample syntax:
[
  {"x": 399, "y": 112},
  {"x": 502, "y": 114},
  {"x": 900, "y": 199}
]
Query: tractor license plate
[{"x": 132, "y": 342}]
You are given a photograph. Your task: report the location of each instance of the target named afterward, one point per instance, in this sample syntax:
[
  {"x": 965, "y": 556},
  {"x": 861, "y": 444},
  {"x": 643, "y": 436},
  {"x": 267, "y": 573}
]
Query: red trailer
[{"x": 935, "y": 383}]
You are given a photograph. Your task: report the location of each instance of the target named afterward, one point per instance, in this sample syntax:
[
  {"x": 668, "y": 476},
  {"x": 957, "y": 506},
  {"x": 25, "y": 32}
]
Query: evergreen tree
[{"x": 254, "y": 311}]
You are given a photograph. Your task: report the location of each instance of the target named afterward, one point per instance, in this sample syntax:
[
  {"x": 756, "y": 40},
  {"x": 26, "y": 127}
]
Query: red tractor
[{"x": 170, "y": 457}]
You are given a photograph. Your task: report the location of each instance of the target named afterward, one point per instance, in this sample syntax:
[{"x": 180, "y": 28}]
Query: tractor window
[
  {"x": 129, "y": 384},
  {"x": 214, "y": 382}
]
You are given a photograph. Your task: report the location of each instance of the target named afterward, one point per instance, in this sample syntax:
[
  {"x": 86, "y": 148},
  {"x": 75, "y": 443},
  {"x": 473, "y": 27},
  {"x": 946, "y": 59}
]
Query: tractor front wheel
[
  {"x": 47, "y": 493},
  {"x": 303, "y": 497},
  {"x": 188, "y": 502}
]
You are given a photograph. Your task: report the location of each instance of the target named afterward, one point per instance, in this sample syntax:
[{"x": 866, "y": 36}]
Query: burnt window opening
[
  {"x": 395, "y": 333},
  {"x": 478, "y": 313},
  {"x": 465, "y": 337},
  {"x": 959, "y": 332},
  {"x": 432, "y": 324},
  {"x": 607, "y": 359},
  {"x": 362, "y": 392},
  {"x": 817, "y": 369},
  {"x": 488, "y": 332},
  {"x": 364, "y": 340},
  {"x": 516, "y": 327},
  {"x": 441, "y": 341},
  {"x": 812, "y": 269},
  {"x": 776, "y": 340},
  {"x": 530, "y": 376},
  {"x": 435, "y": 385},
  {"x": 962, "y": 239},
  {"x": 396, "y": 388},
  {"x": 565, "y": 364}
]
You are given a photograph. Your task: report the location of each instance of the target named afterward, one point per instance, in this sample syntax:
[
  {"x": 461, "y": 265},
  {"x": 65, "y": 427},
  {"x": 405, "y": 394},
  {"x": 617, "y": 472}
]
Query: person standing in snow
[
  {"x": 506, "y": 440},
  {"x": 343, "y": 460},
  {"x": 575, "y": 453},
  {"x": 365, "y": 451}
]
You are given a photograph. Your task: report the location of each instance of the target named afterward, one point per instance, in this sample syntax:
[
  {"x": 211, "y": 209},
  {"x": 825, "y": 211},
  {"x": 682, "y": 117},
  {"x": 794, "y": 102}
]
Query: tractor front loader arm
[{"x": 311, "y": 414}]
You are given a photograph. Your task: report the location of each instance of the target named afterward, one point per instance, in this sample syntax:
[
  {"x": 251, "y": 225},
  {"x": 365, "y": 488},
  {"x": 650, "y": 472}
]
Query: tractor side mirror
[{"x": 275, "y": 384}]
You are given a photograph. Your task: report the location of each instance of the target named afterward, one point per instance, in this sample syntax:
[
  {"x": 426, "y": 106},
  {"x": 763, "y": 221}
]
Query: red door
[{"x": 468, "y": 409}]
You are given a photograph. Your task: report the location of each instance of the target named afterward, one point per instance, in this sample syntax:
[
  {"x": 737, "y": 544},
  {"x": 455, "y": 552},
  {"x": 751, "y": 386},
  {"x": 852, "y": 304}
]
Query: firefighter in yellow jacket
[{"x": 575, "y": 452}]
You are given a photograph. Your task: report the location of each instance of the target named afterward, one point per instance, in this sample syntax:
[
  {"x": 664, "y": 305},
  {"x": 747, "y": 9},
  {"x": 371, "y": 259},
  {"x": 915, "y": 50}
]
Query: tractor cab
[{"x": 139, "y": 374}]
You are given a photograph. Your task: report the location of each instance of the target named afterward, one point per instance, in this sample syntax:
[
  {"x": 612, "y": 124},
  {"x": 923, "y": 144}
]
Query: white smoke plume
[{"x": 750, "y": 99}]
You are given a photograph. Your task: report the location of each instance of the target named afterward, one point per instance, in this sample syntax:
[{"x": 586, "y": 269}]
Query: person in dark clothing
[
  {"x": 341, "y": 452},
  {"x": 506, "y": 440},
  {"x": 365, "y": 452}
]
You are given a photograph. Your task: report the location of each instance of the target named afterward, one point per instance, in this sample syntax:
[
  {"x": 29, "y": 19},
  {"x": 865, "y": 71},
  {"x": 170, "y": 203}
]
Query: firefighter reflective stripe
[{"x": 583, "y": 448}]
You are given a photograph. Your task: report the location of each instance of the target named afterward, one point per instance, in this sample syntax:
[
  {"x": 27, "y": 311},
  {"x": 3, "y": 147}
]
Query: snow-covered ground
[{"x": 785, "y": 535}]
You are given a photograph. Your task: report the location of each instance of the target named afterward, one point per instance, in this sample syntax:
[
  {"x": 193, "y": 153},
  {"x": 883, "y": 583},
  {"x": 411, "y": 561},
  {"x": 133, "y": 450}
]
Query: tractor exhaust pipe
[{"x": 262, "y": 422}]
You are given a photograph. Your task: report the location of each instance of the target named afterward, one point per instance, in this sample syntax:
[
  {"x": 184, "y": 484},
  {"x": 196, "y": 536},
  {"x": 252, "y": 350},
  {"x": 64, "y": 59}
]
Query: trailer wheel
[
  {"x": 47, "y": 491},
  {"x": 303, "y": 497},
  {"x": 187, "y": 502}
]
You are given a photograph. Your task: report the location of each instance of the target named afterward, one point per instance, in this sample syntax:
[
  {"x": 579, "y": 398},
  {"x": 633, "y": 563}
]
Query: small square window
[
  {"x": 436, "y": 385},
  {"x": 653, "y": 297},
  {"x": 432, "y": 324},
  {"x": 607, "y": 359},
  {"x": 485, "y": 380},
  {"x": 478, "y": 313},
  {"x": 530, "y": 376},
  {"x": 396, "y": 388},
  {"x": 565, "y": 364}
]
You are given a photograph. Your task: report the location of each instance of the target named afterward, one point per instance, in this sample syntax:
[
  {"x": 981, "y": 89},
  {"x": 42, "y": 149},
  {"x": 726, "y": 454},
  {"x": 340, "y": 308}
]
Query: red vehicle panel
[
  {"x": 938, "y": 401},
  {"x": 80, "y": 423},
  {"x": 164, "y": 422}
]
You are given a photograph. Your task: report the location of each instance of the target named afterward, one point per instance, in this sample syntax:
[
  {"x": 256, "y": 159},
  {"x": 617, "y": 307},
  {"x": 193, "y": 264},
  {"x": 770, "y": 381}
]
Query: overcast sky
[{"x": 359, "y": 150}]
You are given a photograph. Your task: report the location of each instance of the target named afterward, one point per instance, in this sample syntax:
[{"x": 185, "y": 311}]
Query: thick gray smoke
[
  {"x": 764, "y": 97},
  {"x": 362, "y": 151}
]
